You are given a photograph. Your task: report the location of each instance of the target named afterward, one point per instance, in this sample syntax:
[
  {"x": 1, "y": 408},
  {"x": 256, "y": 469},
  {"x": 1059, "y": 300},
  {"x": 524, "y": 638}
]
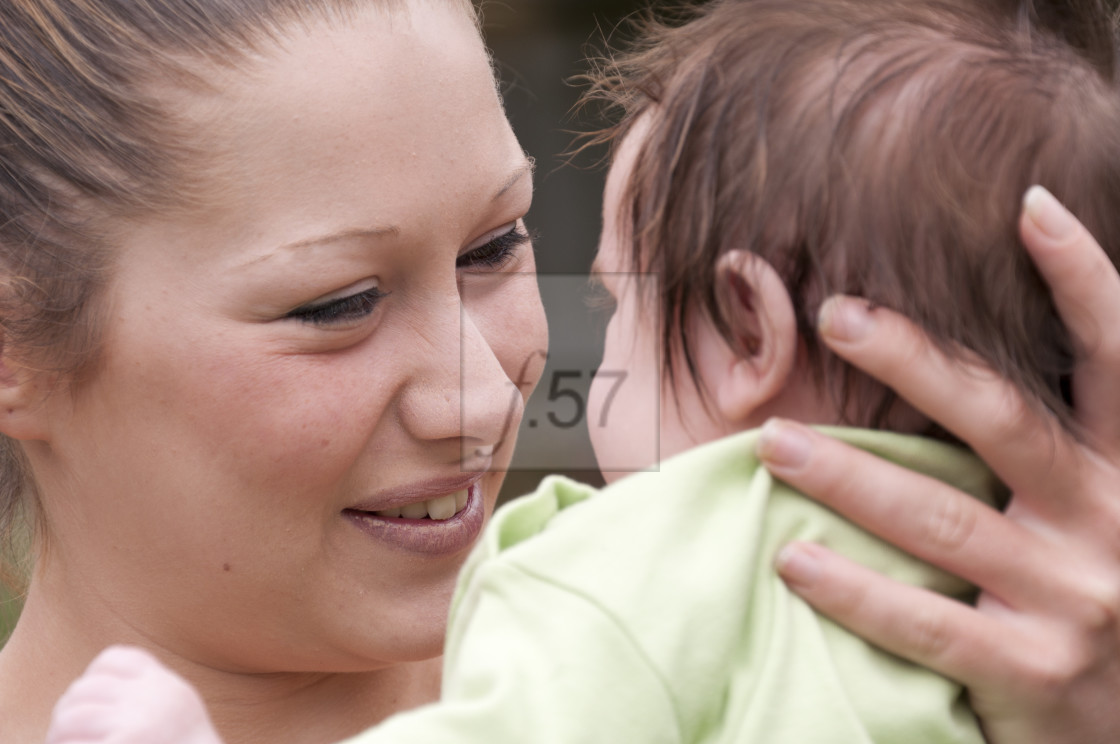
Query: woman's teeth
[{"x": 445, "y": 507}]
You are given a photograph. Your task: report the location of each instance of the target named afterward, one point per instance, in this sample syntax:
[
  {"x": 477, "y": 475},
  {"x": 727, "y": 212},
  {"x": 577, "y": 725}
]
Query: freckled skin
[{"x": 217, "y": 427}]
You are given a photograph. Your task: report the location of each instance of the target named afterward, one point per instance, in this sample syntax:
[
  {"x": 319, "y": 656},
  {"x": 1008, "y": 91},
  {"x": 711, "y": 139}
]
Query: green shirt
[{"x": 652, "y": 613}]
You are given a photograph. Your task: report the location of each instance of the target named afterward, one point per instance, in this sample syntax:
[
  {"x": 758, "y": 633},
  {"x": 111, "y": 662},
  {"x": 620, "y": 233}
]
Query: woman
[
  {"x": 272, "y": 362},
  {"x": 292, "y": 221}
]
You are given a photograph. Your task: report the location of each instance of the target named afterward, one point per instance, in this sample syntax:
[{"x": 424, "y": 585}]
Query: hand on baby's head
[{"x": 126, "y": 696}]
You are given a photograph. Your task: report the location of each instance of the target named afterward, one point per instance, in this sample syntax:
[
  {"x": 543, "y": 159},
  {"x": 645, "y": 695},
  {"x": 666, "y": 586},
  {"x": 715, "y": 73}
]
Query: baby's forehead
[
  {"x": 614, "y": 255},
  {"x": 625, "y": 157}
]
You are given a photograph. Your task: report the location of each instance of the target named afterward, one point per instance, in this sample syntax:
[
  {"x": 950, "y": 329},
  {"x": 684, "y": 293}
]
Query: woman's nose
[{"x": 462, "y": 392}]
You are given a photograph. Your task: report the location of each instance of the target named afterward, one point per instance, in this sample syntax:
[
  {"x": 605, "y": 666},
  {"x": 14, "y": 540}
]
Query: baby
[{"x": 770, "y": 153}]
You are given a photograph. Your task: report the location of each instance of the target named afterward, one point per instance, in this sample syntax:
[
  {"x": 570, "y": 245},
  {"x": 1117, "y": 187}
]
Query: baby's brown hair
[{"x": 879, "y": 148}]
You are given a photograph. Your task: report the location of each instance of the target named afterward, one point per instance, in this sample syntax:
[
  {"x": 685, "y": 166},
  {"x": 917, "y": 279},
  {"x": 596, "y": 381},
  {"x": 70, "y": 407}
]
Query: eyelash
[
  {"x": 491, "y": 256},
  {"x": 495, "y": 254},
  {"x": 344, "y": 309}
]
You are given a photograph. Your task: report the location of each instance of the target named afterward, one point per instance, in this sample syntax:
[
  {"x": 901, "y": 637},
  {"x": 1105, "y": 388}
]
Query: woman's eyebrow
[
  {"x": 376, "y": 232},
  {"x": 353, "y": 232},
  {"x": 526, "y": 168}
]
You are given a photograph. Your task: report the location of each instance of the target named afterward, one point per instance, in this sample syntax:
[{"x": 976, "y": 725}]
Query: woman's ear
[
  {"x": 23, "y": 393},
  {"x": 759, "y": 314}
]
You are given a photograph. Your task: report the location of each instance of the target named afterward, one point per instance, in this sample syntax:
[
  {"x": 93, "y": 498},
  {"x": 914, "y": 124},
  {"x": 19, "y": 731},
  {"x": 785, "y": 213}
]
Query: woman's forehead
[
  {"x": 428, "y": 61},
  {"x": 392, "y": 113}
]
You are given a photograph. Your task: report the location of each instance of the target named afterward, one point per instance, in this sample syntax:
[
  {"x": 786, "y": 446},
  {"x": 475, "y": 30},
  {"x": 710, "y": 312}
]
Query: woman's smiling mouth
[{"x": 443, "y": 524}]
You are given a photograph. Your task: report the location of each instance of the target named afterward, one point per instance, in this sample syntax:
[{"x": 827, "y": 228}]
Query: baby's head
[{"x": 774, "y": 152}]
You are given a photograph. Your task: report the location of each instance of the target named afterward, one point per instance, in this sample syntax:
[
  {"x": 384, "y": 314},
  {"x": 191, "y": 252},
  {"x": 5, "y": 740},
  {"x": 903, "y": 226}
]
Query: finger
[
  {"x": 1086, "y": 290},
  {"x": 919, "y": 514},
  {"x": 89, "y": 689},
  {"x": 929, "y": 629},
  {"x": 1024, "y": 444},
  {"x": 80, "y": 722}
]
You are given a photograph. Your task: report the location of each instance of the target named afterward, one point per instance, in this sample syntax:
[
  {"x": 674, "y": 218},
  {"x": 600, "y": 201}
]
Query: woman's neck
[
  {"x": 332, "y": 708},
  {"x": 312, "y": 709},
  {"x": 52, "y": 644}
]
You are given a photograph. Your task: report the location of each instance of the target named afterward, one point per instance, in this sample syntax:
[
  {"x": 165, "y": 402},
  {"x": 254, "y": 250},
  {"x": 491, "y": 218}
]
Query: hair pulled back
[{"x": 86, "y": 142}]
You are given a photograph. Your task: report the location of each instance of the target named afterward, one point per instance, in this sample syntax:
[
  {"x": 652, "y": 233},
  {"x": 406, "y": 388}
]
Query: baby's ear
[{"x": 759, "y": 313}]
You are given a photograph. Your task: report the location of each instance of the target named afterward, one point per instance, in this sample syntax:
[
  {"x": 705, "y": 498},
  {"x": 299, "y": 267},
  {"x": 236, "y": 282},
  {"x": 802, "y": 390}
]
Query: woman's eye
[
  {"x": 495, "y": 253},
  {"x": 342, "y": 310}
]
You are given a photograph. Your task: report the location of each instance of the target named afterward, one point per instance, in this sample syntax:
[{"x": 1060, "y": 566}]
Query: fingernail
[
  {"x": 797, "y": 566},
  {"x": 844, "y": 319},
  {"x": 1048, "y": 214},
  {"x": 783, "y": 444}
]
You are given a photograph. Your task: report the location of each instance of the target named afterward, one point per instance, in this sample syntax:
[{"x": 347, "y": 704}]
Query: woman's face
[{"x": 332, "y": 336}]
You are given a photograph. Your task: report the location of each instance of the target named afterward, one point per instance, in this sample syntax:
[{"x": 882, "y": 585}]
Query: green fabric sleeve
[
  {"x": 525, "y": 674},
  {"x": 652, "y": 613}
]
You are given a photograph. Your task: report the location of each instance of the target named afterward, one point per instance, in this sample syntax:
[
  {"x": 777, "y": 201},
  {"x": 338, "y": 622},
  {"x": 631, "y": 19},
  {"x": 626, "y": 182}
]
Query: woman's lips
[{"x": 419, "y": 525}]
